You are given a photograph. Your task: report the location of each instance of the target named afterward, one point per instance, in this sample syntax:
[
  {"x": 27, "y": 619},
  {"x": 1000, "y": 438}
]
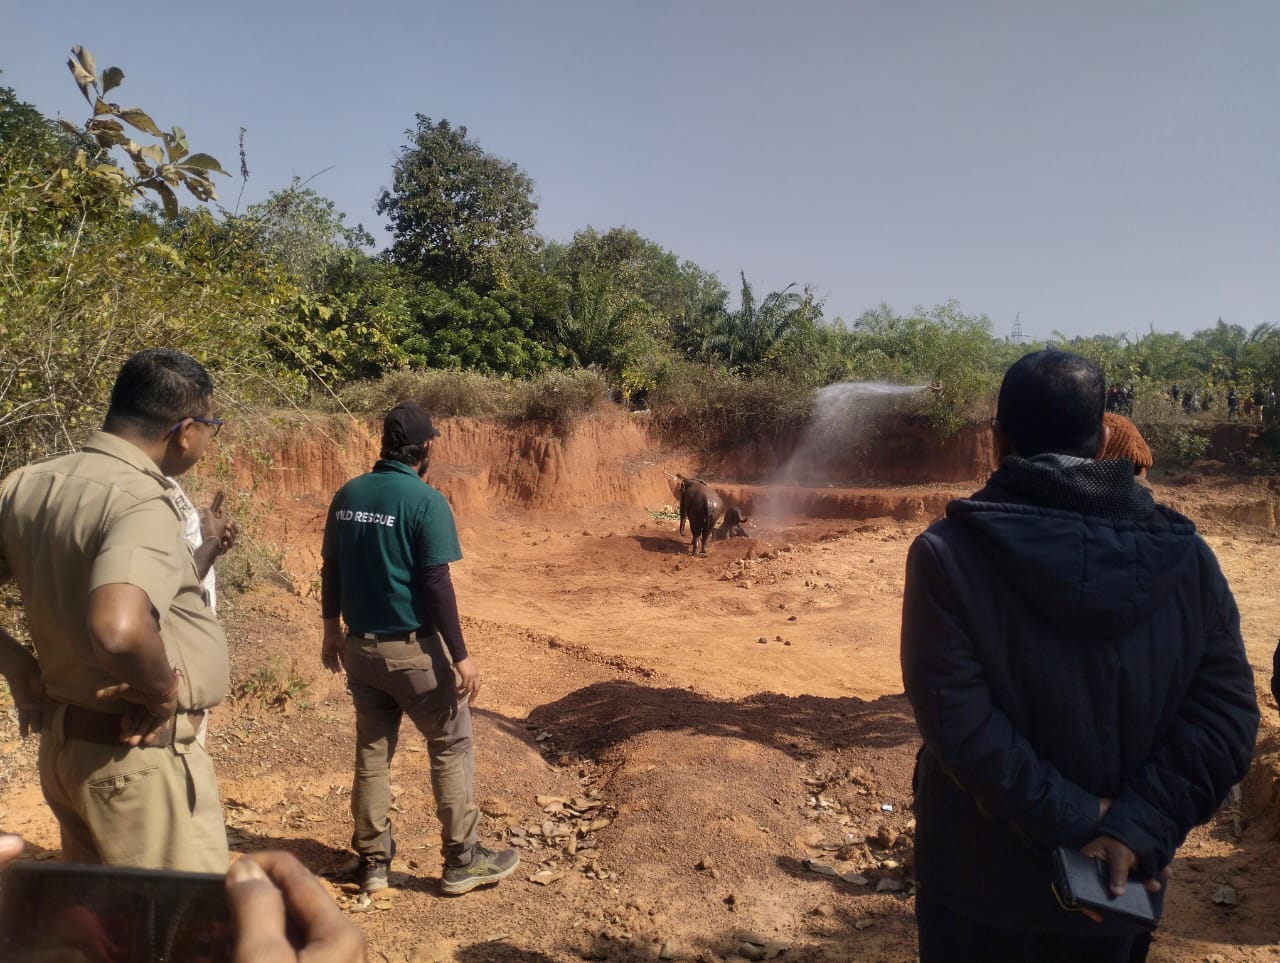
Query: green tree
[
  {"x": 1262, "y": 353},
  {"x": 602, "y": 321},
  {"x": 361, "y": 325},
  {"x": 305, "y": 233},
  {"x": 29, "y": 138},
  {"x": 1224, "y": 345},
  {"x": 625, "y": 299},
  {"x": 637, "y": 268},
  {"x": 816, "y": 353},
  {"x": 943, "y": 347},
  {"x": 86, "y": 277},
  {"x": 458, "y": 214},
  {"x": 1112, "y": 353},
  {"x": 459, "y": 327},
  {"x": 701, "y": 314},
  {"x": 1162, "y": 359}
]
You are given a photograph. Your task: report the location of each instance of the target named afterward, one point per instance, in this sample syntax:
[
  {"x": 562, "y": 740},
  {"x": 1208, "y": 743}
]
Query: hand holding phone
[
  {"x": 283, "y": 914},
  {"x": 1084, "y": 882},
  {"x": 268, "y": 909}
]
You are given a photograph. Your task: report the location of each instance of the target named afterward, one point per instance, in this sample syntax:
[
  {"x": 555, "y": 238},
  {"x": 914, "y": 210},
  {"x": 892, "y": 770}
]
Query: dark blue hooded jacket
[{"x": 1064, "y": 638}]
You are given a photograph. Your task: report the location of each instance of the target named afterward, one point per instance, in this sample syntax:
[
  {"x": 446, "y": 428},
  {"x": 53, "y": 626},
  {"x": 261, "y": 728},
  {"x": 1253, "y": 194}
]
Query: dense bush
[
  {"x": 87, "y": 278},
  {"x": 1174, "y": 445}
]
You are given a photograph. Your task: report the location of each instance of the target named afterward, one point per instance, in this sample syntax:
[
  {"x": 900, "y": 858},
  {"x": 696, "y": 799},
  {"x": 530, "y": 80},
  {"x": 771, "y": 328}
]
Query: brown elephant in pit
[{"x": 701, "y": 506}]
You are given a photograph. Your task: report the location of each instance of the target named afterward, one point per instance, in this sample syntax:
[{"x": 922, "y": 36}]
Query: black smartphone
[
  {"x": 112, "y": 914},
  {"x": 1084, "y": 881}
]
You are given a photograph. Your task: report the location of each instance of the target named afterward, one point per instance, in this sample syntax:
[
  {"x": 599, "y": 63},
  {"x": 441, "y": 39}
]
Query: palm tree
[
  {"x": 697, "y": 329},
  {"x": 746, "y": 335},
  {"x": 599, "y": 323}
]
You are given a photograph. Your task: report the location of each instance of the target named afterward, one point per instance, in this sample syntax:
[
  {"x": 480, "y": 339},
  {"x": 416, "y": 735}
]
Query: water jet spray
[{"x": 843, "y": 414}]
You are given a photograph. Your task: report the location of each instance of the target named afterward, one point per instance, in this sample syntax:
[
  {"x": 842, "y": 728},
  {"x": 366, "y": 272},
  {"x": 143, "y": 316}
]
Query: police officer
[
  {"x": 388, "y": 541},
  {"x": 128, "y": 653}
]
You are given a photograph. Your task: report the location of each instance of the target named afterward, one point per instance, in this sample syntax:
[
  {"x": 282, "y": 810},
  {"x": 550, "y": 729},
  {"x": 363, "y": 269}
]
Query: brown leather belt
[{"x": 103, "y": 728}]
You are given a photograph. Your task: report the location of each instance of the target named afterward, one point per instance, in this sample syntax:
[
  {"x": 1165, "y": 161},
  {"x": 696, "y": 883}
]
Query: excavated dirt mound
[{"x": 698, "y": 757}]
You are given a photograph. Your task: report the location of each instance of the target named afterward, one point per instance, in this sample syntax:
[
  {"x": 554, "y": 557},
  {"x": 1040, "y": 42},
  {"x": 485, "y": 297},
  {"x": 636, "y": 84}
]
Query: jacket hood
[{"x": 1076, "y": 536}]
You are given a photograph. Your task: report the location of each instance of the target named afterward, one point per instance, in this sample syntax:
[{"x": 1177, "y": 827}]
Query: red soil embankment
[
  {"x": 479, "y": 465},
  {"x": 284, "y": 473},
  {"x": 612, "y": 460}
]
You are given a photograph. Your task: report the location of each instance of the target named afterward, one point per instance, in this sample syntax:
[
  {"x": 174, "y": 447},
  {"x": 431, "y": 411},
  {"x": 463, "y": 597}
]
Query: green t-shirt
[{"x": 382, "y": 531}]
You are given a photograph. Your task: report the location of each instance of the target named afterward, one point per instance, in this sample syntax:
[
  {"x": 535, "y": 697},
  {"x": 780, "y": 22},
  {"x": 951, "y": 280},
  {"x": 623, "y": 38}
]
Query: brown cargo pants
[{"x": 389, "y": 680}]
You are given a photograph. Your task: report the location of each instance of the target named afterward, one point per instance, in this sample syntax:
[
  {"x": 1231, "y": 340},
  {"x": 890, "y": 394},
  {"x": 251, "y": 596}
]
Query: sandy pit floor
[{"x": 700, "y": 758}]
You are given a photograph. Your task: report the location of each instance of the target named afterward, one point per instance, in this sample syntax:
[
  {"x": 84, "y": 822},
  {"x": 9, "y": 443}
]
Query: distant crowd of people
[
  {"x": 1120, "y": 400},
  {"x": 1070, "y": 648},
  {"x": 1257, "y": 406}
]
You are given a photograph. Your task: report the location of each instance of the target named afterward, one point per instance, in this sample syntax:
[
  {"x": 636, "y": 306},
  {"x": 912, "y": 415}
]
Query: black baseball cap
[{"x": 407, "y": 424}]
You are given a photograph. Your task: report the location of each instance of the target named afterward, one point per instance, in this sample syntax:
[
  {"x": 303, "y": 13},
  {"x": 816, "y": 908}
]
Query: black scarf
[{"x": 1102, "y": 488}]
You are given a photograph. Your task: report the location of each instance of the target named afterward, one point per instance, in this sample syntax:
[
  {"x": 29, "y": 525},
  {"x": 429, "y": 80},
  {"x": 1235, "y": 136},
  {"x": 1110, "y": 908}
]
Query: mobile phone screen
[{"x": 108, "y": 914}]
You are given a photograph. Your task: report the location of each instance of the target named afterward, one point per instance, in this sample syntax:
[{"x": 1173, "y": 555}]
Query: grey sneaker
[
  {"x": 373, "y": 875},
  {"x": 485, "y": 867}
]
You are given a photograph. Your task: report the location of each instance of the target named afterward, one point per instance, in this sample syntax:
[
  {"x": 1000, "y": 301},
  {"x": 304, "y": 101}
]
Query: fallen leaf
[{"x": 823, "y": 869}]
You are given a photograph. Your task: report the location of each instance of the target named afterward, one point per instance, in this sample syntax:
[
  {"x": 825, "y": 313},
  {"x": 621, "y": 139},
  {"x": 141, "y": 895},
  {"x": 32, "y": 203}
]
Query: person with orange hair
[{"x": 1124, "y": 440}]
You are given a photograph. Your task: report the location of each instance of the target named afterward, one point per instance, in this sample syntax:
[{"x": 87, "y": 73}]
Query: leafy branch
[{"x": 161, "y": 167}]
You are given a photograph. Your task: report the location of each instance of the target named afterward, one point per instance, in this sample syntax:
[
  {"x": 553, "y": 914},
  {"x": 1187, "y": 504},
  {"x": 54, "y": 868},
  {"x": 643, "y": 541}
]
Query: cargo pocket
[{"x": 412, "y": 678}]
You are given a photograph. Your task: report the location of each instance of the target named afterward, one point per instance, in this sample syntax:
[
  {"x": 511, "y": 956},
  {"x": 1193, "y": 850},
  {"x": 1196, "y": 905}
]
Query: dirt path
[{"x": 672, "y": 780}]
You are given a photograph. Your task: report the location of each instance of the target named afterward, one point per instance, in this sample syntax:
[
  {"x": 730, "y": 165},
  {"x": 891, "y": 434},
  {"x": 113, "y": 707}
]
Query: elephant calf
[{"x": 733, "y": 525}]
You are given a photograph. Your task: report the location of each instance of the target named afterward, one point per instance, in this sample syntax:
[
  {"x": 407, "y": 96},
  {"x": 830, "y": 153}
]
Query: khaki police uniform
[{"x": 101, "y": 516}]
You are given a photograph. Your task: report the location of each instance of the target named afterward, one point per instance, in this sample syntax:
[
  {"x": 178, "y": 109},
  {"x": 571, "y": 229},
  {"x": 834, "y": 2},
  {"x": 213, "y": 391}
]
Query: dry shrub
[
  {"x": 559, "y": 397},
  {"x": 706, "y": 407},
  {"x": 444, "y": 393}
]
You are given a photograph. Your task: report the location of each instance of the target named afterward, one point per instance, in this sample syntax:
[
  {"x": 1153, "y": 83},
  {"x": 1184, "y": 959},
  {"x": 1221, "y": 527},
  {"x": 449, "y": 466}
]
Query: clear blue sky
[{"x": 1095, "y": 166}]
